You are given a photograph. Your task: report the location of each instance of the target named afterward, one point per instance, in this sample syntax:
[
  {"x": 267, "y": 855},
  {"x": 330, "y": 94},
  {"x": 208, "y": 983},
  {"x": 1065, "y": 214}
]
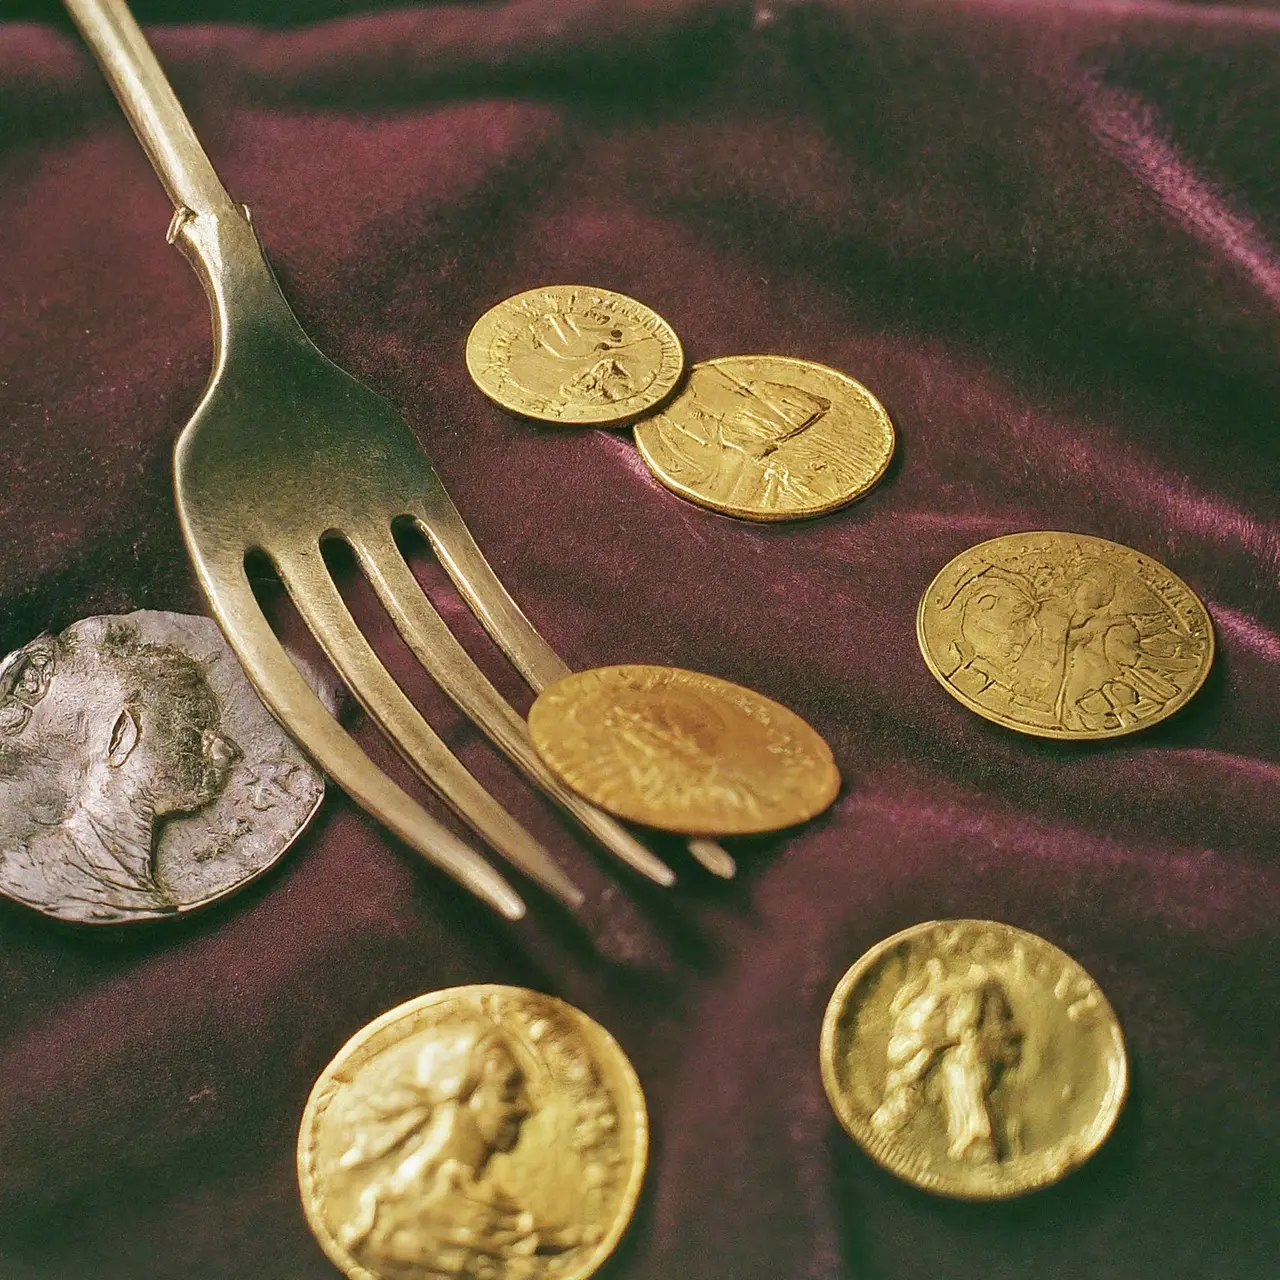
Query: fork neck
[
  {"x": 223, "y": 248},
  {"x": 209, "y": 227}
]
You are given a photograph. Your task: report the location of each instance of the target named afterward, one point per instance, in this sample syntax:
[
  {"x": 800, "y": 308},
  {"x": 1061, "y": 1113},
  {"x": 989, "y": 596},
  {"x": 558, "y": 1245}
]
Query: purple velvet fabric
[{"x": 1045, "y": 234}]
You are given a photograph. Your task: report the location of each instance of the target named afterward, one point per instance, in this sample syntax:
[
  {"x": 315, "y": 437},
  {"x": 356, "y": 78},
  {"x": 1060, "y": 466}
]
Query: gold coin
[
  {"x": 768, "y": 438},
  {"x": 1064, "y": 636},
  {"x": 973, "y": 1059},
  {"x": 482, "y": 1131},
  {"x": 572, "y": 354},
  {"x": 682, "y": 751}
]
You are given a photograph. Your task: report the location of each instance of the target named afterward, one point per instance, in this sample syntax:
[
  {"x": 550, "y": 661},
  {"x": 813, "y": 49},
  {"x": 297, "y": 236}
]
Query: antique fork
[{"x": 286, "y": 450}]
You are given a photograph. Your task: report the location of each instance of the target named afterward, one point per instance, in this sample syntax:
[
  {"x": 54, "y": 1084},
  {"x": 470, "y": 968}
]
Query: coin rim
[
  {"x": 480, "y": 339},
  {"x": 330, "y": 1076},
  {"x": 543, "y": 747},
  {"x": 1078, "y": 1151},
  {"x": 744, "y": 513},
  {"x": 1062, "y": 735}
]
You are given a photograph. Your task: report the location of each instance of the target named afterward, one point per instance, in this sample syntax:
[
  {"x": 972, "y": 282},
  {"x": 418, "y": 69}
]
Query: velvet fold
[{"x": 1045, "y": 235}]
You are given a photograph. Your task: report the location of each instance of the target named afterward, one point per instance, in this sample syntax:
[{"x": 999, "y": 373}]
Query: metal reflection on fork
[{"x": 284, "y": 450}]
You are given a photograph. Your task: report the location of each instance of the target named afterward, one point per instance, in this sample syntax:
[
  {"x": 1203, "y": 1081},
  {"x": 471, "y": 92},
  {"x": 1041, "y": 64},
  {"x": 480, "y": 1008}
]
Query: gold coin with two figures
[
  {"x": 682, "y": 751},
  {"x": 483, "y": 1132},
  {"x": 973, "y": 1059},
  {"x": 768, "y": 438},
  {"x": 1064, "y": 636},
  {"x": 574, "y": 355}
]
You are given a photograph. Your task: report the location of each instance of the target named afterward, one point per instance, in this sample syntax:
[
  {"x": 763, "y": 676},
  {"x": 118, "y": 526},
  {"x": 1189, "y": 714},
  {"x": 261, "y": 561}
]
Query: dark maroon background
[{"x": 1045, "y": 234}]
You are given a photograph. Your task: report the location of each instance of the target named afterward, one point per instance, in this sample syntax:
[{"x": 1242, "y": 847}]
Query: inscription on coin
[
  {"x": 768, "y": 438},
  {"x": 1062, "y": 635},
  {"x": 483, "y": 1132},
  {"x": 683, "y": 751},
  {"x": 973, "y": 1059},
  {"x": 139, "y": 774},
  {"x": 575, "y": 355}
]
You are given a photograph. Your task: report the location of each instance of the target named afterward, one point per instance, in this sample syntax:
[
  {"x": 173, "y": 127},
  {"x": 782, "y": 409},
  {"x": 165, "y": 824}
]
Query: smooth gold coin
[
  {"x": 574, "y": 355},
  {"x": 768, "y": 438},
  {"x": 973, "y": 1059},
  {"x": 1064, "y": 636},
  {"x": 482, "y": 1131},
  {"x": 682, "y": 751}
]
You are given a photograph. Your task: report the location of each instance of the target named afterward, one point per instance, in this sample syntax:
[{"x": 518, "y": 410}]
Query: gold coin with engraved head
[
  {"x": 973, "y": 1059},
  {"x": 768, "y": 438},
  {"x": 482, "y": 1132},
  {"x": 574, "y": 355},
  {"x": 1062, "y": 635},
  {"x": 682, "y": 751}
]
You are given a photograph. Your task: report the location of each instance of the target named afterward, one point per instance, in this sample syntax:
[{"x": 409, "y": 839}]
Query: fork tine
[
  {"x": 291, "y": 700},
  {"x": 442, "y": 525},
  {"x": 450, "y": 665},
  {"x": 719, "y": 861},
  {"x": 317, "y": 599}
]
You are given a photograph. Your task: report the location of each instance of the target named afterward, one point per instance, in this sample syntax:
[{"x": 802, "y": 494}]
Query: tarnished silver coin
[{"x": 140, "y": 776}]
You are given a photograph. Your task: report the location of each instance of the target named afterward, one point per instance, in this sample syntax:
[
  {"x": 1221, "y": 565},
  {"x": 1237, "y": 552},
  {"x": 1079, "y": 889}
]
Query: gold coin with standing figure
[
  {"x": 477, "y": 1132},
  {"x": 574, "y": 355},
  {"x": 1063, "y": 635},
  {"x": 973, "y": 1059},
  {"x": 768, "y": 438},
  {"x": 682, "y": 751}
]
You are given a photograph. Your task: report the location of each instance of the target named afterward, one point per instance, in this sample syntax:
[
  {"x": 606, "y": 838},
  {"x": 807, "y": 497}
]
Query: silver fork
[{"x": 285, "y": 450}]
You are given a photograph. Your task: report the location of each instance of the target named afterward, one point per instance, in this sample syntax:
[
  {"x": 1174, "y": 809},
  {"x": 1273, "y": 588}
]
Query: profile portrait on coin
[
  {"x": 952, "y": 1037},
  {"x": 423, "y": 1132},
  {"x": 973, "y": 1059},
  {"x": 140, "y": 775},
  {"x": 476, "y": 1133},
  {"x": 103, "y": 735}
]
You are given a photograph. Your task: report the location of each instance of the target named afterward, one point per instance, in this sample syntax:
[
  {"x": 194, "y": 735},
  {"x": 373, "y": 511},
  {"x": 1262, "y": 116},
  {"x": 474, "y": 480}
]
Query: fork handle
[
  {"x": 153, "y": 109},
  {"x": 213, "y": 232}
]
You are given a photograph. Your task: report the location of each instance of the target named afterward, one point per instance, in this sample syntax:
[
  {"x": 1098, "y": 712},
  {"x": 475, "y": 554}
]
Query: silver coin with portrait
[{"x": 140, "y": 776}]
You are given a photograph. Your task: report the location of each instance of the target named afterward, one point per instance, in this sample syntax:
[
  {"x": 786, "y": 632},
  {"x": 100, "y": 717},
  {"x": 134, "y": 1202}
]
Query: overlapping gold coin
[
  {"x": 682, "y": 751},
  {"x": 973, "y": 1059},
  {"x": 481, "y": 1131},
  {"x": 768, "y": 438},
  {"x": 573, "y": 354},
  {"x": 1062, "y": 635}
]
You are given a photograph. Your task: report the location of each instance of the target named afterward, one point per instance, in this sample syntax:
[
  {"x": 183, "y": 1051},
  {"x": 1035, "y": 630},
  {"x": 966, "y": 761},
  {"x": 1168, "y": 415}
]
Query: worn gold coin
[
  {"x": 973, "y": 1059},
  {"x": 768, "y": 438},
  {"x": 574, "y": 355},
  {"x": 682, "y": 751},
  {"x": 482, "y": 1132},
  {"x": 1062, "y": 635}
]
